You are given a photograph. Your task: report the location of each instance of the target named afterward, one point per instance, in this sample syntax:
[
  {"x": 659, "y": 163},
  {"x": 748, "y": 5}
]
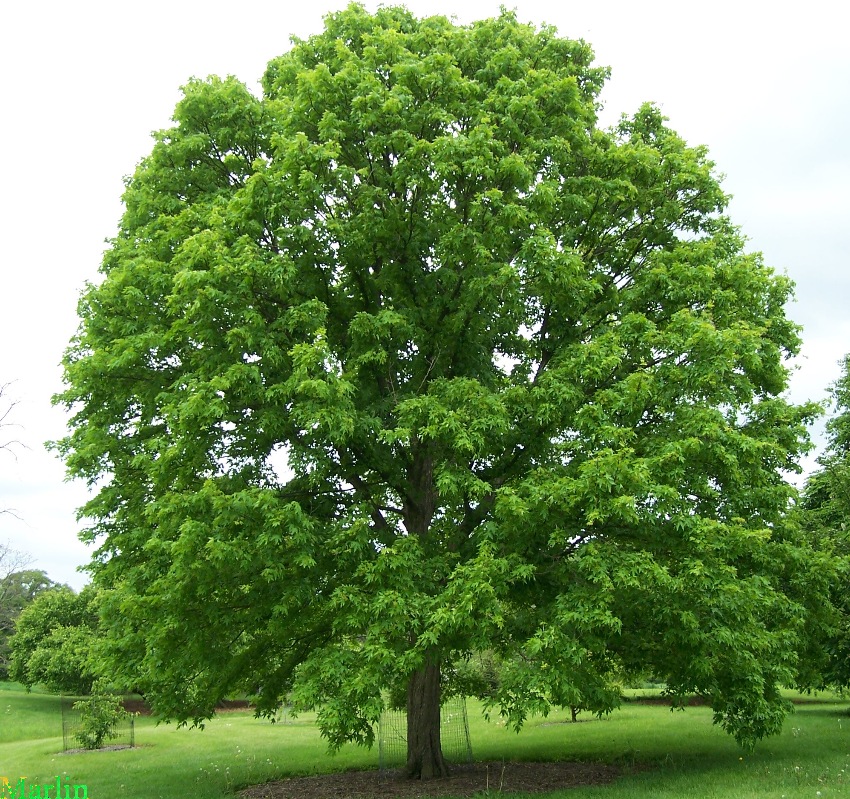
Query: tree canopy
[
  {"x": 408, "y": 358},
  {"x": 18, "y": 587},
  {"x": 55, "y": 640}
]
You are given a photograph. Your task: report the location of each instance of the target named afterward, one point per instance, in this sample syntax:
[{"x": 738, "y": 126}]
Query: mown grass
[
  {"x": 26, "y": 716},
  {"x": 664, "y": 753}
]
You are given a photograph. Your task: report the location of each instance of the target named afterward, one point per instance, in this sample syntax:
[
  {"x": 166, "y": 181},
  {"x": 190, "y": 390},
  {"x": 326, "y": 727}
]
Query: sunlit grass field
[{"x": 664, "y": 753}]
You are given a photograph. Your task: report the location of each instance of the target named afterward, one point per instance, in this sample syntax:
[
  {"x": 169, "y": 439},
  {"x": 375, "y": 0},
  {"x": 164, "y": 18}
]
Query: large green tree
[{"x": 408, "y": 358}]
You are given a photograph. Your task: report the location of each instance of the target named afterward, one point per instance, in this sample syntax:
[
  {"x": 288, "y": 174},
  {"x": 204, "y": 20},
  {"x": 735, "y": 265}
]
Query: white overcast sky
[{"x": 765, "y": 85}]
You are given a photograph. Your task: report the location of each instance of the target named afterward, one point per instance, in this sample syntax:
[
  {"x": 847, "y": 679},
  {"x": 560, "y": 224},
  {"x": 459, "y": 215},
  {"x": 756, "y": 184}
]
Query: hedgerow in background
[{"x": 408, "y": 359}]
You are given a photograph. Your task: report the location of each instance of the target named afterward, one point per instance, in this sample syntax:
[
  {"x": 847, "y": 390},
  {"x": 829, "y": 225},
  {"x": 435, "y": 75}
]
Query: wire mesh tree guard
[
  {"x": 122, "y": 734},
  {"x": 454, "y": 735}
]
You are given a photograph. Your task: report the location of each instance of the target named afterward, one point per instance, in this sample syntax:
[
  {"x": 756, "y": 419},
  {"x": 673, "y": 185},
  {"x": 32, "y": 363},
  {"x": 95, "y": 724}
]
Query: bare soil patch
[
  {"x": 466, "y": 780},
  {"x": 113, "y": 748},
  {"x": 691, "y": 701},
  {"x": 226, "y": 705}
]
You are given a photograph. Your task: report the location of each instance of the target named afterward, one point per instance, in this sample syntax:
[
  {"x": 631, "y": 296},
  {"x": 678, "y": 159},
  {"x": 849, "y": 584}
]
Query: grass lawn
[{"x": 686, "y": 755}]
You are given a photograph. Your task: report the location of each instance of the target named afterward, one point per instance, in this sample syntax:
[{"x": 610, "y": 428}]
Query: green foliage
[
  {"x": 827, "y": 494},
  {"x": 100, "y": 714},
  {"x": 409, "y": 359},
  {"x": 54, "y": 641},
  {"x": 825, "y": 517},
  {"x": 479, "y": 675},
  {"x": 17, "y": 590},
  {"x": 12, "y": 563}
]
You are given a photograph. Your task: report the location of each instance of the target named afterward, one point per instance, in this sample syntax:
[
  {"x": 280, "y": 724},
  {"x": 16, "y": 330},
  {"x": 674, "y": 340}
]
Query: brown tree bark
[{"x": 424, "y": 750}]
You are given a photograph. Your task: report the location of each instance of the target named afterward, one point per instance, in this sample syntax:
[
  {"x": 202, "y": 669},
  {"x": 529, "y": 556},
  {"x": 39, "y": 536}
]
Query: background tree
[
  {"x": 825, "y": 516},
  {"x": 11, "y": 560},
  {"x": 409, "y": 359},
  {"x": 18, "y": 585},
  {"x": 17, "y": 590},
  {"x": 827, "y": 494},
  {"x": 55, "y": 641}
]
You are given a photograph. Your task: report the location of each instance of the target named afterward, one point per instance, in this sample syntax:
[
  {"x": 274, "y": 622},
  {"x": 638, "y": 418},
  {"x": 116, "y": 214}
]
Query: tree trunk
[{"x": 424, "y": 751}]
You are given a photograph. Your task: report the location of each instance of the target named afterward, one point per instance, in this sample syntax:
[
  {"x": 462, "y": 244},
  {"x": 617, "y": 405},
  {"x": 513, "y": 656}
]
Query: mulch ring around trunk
[{"x": 465, "y": 780}]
